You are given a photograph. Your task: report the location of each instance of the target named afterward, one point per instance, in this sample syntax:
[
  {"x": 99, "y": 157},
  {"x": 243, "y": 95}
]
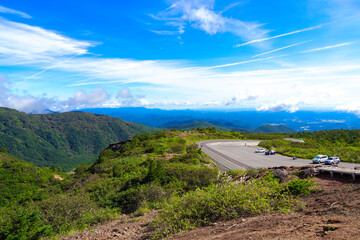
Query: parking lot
[{"x": 241, "y": 154}]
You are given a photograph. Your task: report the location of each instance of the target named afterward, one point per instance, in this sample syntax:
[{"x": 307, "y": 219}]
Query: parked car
[
  {"x": 319, "y": 159},
  {"x": 332, "y": 160},
  {"x": 260, "y": 150},
  {"x": 270, "y": 152}
]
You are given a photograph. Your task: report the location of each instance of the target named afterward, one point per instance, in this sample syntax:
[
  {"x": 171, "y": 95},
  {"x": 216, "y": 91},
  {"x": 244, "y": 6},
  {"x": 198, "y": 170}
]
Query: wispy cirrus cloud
[
  {"x": 279, "y": 49},
  {"x": 201, "y": 15},
  {"x": 12, "y": 11},
  {"x": 22, "y": 43},
  {"x": 278, "y": 36},
  {"x": 186, "y": 83},
  {"x": 328, "y": 47}
]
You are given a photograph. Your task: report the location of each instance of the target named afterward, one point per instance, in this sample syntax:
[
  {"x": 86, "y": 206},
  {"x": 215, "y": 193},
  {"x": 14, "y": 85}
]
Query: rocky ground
[{"x": 333, "y": 212}]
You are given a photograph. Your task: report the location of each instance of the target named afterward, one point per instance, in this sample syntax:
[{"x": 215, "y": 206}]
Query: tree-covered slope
[
  {"x": 267, "y": 128},
  {"x": 22, "y": 182},
  {"x": 64, "y": 139},
  {"x": 226, "y": 126}
]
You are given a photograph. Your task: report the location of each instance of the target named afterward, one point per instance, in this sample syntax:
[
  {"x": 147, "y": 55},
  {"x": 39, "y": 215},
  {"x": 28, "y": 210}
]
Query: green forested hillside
[
  {"x": 64, "y": 139},
  {"x": 194, "y": 124},
  {"x": 267, "y": 128}
]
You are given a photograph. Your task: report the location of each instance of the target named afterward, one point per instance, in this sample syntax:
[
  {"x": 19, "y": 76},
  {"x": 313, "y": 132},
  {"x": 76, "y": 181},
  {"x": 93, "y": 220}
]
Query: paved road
[{"x": 240, "y": 154}]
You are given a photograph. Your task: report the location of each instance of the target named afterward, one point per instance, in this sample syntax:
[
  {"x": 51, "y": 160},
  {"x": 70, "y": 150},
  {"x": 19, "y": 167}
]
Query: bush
[
  {"x": 22, "y": 224},
  {"x": 227, "y": 201},
  {"x": 69, "y": 212},
  {"x": 204, "y": 206},
  {"x": 194, "y": 176},
  {"x": 3, "y": 150},
  {"x": 177, "y": 149},
  {"x": 299, "y": 187},
  {"x": 129, "y": 201}
]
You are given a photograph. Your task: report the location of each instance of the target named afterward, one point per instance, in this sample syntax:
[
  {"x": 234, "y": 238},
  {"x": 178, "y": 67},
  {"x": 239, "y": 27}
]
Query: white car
[
  {"x": 332, "y": 160},
  {"x": 320, "y": 159},
  {"x": 260, "y": 150}
]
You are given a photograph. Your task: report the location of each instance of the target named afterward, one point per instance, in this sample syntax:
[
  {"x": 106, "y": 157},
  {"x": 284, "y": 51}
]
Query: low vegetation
[
  {"x": 164, "y": 170},
  {"x": 137, "y": 177},
  {"x": 228, "y": 200}
]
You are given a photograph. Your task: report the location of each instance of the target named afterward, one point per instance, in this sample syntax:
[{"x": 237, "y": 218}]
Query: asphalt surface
[{"x": 240, "y": 154}]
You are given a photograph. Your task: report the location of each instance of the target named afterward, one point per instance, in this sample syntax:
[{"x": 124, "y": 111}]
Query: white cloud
[
  {"x": 305, "y": 128},
  {"x": 185, "y": 83},
  {"x": 238, "y": 63},
  {"x": 124, "y": 93},
  {"x": 350, "y": 108},
  {"x": 243, "y": 96},
  {"x": 333, "y": 121},
  {"x": 24, "y": 102},
  {"x": 12, "y": 11},
  {"x": 328, "y": 47},
  {"x": 281, "y": 106},
  {"x": 278, "y": 36},
  {"x": 39, "y": 104},
  {"x": 127, "y": 99},
  {"x": 22, "y": 43},
  {"x": 201, "y": 15},
  {"x": 81, "y": 97},
  {"x": 279, "y": 49},
  {"x": 302, "y": 95}
]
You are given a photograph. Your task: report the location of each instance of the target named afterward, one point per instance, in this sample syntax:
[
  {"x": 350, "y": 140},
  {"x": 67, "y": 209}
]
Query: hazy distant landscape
[{"x": 237, "y": 120}]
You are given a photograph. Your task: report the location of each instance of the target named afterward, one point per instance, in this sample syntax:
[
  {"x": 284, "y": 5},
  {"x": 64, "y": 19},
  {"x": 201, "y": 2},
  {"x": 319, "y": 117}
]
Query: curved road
[{"x": 240, "y": 154}]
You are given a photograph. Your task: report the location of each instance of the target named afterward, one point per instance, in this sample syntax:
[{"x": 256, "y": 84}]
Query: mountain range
[
  {"x": 299, "y": 121},
  {"x": 226, "y": 126},
  {"x": 62, "y": 139}
]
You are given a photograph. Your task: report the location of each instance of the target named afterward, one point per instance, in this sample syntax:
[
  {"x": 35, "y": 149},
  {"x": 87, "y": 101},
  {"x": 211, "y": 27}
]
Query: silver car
[
  {"x": 332, "y": 160},
  {"x": 260, "y": 150},
  {"x": 319, "y": 159}
]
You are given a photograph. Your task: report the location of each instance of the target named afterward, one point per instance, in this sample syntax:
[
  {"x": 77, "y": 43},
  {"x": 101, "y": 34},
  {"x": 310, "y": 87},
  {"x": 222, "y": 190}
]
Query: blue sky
[{"x": 175, "y": 54}]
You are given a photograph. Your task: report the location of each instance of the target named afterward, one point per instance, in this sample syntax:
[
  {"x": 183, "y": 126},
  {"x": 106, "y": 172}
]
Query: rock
[
  {"x": 281, "y": 174},
  {"x": 310, "y": 172}
]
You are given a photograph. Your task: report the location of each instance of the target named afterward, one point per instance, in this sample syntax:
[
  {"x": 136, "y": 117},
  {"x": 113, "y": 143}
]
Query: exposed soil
[
  {"x": 56, "y": 176},
  {"x": 333, "y": 212},
  {"x": 129, "y": 228}
]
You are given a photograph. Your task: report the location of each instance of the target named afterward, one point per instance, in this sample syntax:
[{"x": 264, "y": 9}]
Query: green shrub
[
  {"x": 194, "y": 176},
  {"x": 299, "y": 187},
  {"x": 204, "y": 206},
  {"x": 227, "y": 201},
  {"x": 129, "y": 201},
  {"x": 22, "y": 224},
  {"x": 3, "y": 150},
  {"x": 68, "y": 212}
]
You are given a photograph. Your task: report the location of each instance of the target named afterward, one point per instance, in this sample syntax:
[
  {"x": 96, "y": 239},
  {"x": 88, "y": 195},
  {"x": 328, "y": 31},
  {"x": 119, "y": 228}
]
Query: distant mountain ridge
[
  {"x": 226, "y": 126},
  {"x": 241, "y": 119},
  {"x": 65, "y": 139},
  {"x": 267, "y": 128}
]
